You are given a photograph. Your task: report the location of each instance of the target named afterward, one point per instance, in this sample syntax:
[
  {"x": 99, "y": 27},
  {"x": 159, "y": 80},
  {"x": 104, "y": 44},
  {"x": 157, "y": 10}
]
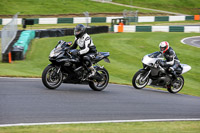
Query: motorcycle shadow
[
  {"x": 156, "y": 90},
  {"x": 75, "y": 88}
]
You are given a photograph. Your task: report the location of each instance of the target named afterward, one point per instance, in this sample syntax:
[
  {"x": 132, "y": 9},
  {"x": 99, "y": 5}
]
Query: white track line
[{"x": 96, "y": 122}]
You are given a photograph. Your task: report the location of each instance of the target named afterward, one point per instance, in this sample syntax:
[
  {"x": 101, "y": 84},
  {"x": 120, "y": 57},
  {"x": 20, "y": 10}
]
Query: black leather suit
[{"x": 172, "y": 62}]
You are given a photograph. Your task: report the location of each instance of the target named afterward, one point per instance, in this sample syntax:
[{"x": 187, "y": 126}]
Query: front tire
[
  {"x": 51, "y": 77},
  {"x": 137, "y": 80},
  {"x": 100, "y": 85},
  {"x": 177, "y": 86}
]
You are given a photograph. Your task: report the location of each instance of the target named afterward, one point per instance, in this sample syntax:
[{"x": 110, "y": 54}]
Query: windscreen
[{"x": 155, "y": 55}]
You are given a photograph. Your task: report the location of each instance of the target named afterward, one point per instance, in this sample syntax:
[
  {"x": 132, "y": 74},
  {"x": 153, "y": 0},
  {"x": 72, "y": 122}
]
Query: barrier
[
  {"x": 177, "y": 18},
  {"x": 82, "y": 20},
  {"x": 189, "y": 29},
  {"x": 132, "y": 28},
  {"x": 161, "y": 18},
  {"x": 4, "y": 21},
  {"x": 143, "y": 28},
  {"x": 160, "y": 29},
  {"x": 146, "y": 19},
  {"x": 48, "y": 20},
  {"x": 69, "y": 31},
  {"x": 98, "y": 20},
  {"x": 21, "y": 46},
  {"x": 65, "y": 20},
  {"x": 176, "y": 28}
]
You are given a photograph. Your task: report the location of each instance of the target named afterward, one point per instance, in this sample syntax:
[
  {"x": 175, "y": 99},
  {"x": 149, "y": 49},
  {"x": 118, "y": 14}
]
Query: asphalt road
[
  {"x": 193, "y": 41},
  {"x": 28, "y": 101}
]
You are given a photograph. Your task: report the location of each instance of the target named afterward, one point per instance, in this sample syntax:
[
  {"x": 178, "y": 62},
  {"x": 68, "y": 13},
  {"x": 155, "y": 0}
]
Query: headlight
[{"x": 53, "y": 54}]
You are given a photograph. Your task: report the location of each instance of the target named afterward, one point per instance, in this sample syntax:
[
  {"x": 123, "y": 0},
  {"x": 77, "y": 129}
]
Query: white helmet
[{"x": 164, "y": 46}]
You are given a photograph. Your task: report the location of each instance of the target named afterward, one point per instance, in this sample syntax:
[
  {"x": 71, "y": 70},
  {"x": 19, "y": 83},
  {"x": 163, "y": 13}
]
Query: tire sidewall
[
  {"x": 92, "y": 84},
  {"x": 44, "y": 78},
  {"x": 172, "y": 91},
  {"x": 135, "y": 77}
]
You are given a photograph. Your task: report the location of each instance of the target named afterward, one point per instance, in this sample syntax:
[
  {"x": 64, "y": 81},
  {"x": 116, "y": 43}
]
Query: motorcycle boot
[
  {"x": 92, "y": 71},
  {"x": 174, "y": 75}
]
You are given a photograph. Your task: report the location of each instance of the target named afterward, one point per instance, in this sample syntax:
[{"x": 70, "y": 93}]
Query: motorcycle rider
[
  {"x": 172, "y": 62},
  {"x": 87, "y": 50}
]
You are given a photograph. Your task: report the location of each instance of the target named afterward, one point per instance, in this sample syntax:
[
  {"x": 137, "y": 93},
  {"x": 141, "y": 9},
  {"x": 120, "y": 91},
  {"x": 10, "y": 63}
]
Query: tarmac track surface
[
  {"x": 28, "y": 101},
  {"x": 193, "y": 41}
]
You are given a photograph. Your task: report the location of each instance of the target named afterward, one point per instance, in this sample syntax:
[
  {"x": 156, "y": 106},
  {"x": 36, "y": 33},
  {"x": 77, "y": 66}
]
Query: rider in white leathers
[{"x": 87, "y": 48}]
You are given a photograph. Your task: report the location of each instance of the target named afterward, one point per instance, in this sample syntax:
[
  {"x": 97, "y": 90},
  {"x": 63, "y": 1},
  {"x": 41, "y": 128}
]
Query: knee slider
[{"x": 86, "y": 58}]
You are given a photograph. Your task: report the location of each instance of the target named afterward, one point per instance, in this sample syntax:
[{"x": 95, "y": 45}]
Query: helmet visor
[
  {"x": 76, "y": 32},
  {"x": 162, "y": 48}
]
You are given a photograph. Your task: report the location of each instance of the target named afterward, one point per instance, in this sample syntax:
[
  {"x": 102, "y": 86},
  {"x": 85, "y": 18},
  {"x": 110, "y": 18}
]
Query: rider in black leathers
[
  {"x": 87, "y": 48},
  {"x": 172, "y": 62}
]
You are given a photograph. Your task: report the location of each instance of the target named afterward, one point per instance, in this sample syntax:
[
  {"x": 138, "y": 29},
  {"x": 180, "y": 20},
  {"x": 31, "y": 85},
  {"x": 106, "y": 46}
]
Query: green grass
[
  {"x": 179, "y": 6},
  {"x": 137, "y": 127},
  {"x": 52, "y": 7},
  {"x": 126, "y": 51}
]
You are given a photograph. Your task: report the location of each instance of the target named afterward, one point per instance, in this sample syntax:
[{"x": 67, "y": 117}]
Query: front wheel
[
  {"x": 99, "y": 85},
  {"x": 137, "y": 80},
  {"x": 52, "y": 77},
  {"x": 177, "y": 85}
]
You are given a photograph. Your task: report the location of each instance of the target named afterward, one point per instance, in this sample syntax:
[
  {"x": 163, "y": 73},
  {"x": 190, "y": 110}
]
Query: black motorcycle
[{"x": 67, "y": 67}]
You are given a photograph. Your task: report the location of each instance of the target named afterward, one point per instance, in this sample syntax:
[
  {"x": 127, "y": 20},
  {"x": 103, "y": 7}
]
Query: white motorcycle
[{"x": 154, "y": 75}]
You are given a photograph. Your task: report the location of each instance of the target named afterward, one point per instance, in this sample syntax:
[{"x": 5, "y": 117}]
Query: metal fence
[
  {"x": 8, "y": 33},
  {"x": 132, "y": 16},
  {"x": 87, "y": 15}
]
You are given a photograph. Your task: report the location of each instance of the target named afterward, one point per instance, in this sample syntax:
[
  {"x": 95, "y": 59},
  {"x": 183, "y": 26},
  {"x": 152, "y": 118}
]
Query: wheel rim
[
  {"x": 53, "y": 78},
  {"x": 139, "y": 83},
  {"x": 177, "y": 86},
  {"x": 104, "y": 81}
]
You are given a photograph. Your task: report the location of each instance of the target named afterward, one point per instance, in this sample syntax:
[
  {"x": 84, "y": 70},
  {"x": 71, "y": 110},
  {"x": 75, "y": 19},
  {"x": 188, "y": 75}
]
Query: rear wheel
[
  {"x": 137, "y": 80},
  {"x": 99, "y": 85},
  {"x": 177, "y": 85},
  {"x": 52, "y": 77}
]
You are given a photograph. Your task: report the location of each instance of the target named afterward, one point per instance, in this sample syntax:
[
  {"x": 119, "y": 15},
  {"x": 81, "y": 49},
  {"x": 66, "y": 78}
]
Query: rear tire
[
  {"x": 50, "y": 78},
  {"x": 177, "y": 86},
  {"x": 99, "y": 86},
  {"x": 137, "y": 80}
]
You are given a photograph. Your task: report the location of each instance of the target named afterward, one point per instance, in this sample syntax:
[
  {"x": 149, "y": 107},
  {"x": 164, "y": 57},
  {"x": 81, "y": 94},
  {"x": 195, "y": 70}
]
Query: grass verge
[
  {"x": 180, "y": 6},
  {"x": 126, "y": 51},
  {"x": 136, "y": 127},
  {"x": 53, "y": 7}
]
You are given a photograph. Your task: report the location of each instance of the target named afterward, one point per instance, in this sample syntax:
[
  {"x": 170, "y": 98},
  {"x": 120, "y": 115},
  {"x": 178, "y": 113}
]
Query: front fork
[
  {"x": 58, "y": 70},
  {"x": 146, "y": 75}
]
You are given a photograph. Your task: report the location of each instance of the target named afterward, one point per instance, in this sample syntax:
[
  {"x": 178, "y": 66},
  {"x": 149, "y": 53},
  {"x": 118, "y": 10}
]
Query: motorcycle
[
  {"x": 154, "y": 74},
  {"x": 66, "y": 67}
]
